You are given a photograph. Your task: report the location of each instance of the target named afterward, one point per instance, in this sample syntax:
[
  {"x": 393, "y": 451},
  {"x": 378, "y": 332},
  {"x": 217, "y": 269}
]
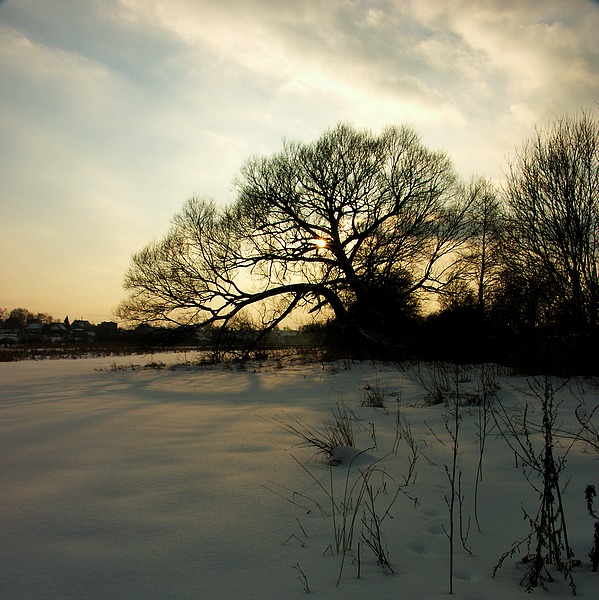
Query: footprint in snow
[
  {"x": 435, "y": 529},
  {"x": 418, "y": 548},
  {"x": 462, "y": 574}
]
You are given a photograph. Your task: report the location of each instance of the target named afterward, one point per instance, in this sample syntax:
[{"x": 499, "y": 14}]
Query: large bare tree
[
  {"x": 354, "y": 223},
  {"x": 552, "y": 195}
]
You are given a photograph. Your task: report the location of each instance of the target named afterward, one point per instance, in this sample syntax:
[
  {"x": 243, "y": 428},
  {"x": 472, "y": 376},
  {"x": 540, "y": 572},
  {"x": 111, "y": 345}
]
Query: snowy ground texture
[{"x": 181, "y": 482}]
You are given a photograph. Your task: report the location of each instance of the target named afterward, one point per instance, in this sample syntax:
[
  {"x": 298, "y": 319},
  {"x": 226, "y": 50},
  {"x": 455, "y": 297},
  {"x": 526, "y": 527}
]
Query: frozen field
[{"x": 186, "y": 482}]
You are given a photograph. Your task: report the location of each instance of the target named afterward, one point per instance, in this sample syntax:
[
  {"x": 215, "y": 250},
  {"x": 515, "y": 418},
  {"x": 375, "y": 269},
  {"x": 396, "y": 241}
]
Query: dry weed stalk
[{"x": 547, "y": 541}]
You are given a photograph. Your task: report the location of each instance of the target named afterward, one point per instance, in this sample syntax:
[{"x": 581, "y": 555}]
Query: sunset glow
[{"x": 114, "y": 113}]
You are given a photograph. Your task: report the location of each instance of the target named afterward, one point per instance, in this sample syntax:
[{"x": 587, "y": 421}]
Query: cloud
[
  {"x": 422, "y": 61},
  {"x": 542, "y": 49},
  {"x": 354, "y": 61}
]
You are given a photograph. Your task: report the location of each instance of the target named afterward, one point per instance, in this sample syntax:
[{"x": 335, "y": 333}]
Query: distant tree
[
  {"x": 475, "y": 271},
  {"x": 519, "y": 303},
  {"x": 552, "y": 228},
  {"x": 485, "y": 256},
  {"x": 44, "y": 318},
  {"x": 21, "y": 316},
  {"x": 354, "y": 223}
]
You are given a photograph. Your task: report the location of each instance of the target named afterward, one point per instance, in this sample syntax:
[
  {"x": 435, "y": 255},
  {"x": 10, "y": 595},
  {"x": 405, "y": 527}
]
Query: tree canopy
[
  {"x": 356, "y": 224},
  {"x": 552, "y": 225}
]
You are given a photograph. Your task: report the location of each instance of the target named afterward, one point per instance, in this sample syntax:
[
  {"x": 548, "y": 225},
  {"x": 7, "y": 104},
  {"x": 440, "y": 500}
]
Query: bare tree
[
  {"x": 24, "y": 316},
  {"x": 356, "y": 223},
  {"x": 476, "y": 269},
  {"x": 552, "y": 233},
  {"x": 485, "y": 256}
]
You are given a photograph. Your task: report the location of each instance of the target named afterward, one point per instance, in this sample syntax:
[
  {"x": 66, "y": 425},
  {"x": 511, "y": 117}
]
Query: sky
[{"x": 114, "y": 112}]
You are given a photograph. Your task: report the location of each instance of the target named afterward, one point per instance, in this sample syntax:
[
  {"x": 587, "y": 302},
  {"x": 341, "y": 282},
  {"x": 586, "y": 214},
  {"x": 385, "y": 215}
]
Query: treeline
[
  {"x": 20, "y": 317},
  {"x": 529, "y": 292},
  {"x": 391, "y": 253},
  {"x": 378, "y": 244}
]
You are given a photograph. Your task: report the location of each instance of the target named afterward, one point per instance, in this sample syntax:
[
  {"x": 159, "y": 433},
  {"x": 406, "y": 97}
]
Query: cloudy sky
[{"x": 114, "y": 112}]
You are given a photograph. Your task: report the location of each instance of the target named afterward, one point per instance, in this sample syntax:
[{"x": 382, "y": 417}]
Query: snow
[{"x": 125, "y": 481}]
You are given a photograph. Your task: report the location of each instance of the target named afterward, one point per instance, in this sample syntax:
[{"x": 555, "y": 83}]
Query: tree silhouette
[{"x": 355, "y": 224}]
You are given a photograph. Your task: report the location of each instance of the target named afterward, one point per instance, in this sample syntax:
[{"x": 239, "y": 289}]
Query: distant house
[
  {"x": 57, "y": 330},
  {"x": 34, "y": 329},
  {"x": 107, "y": 331},
  {"x": 7, "y": 337},
  {"x": 81, "y": 329},
  {"x": 82, "y": 324},
  {"x": 12, "y": 330}
]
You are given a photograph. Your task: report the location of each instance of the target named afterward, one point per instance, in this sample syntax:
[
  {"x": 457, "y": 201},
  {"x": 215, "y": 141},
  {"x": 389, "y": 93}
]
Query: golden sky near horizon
[{"x": 114, "y": 112}]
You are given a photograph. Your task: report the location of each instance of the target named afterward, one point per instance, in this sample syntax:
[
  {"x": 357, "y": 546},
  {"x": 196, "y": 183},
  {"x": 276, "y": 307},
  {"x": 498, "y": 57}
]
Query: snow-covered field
[{"x": 186, "y": 482}]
